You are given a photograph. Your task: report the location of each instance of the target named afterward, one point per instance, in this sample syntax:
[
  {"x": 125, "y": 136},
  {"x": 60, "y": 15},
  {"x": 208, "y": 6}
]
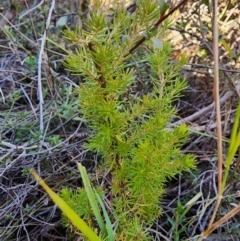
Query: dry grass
[{"x": 26, "y": 211}]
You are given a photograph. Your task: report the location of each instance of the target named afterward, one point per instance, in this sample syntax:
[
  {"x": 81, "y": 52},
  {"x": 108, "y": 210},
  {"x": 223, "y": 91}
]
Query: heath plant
[{"x": 127, "y": 100}]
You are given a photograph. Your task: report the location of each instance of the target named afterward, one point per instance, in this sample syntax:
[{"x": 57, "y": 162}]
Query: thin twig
[
  {"x": 160, "y": 20},
  {"x": 30, "y": 10},
  {"x": 211, "y": 67},
  {"x": 205, "y": 43},
  {"x": 40, "y": 96},
  {"x": 203, "y": 111}
]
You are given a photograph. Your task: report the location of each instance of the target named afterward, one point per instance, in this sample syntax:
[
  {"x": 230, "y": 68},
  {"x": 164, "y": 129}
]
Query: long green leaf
[
  {"x": 92, "y": 199},
  {"x": 233, "y": 146},
  {"x": 235, "y": 129},
  {"x": 73, "y": 217},
  {"x": 107, "y": 219}
]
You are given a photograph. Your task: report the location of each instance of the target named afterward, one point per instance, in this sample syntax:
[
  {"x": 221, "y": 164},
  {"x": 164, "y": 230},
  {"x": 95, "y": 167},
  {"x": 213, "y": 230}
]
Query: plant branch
[{"x": 161, "y": 19}]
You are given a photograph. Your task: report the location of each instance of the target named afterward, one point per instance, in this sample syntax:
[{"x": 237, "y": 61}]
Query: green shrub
[{"x": 127, "y": 101}]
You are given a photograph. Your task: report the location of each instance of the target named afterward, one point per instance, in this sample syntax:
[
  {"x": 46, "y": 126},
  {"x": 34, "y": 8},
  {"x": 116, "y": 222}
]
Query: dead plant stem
[
  {"x": 40, "y": 95},
  {"x": 218, "y": 117},
  {"x": 217, "y": 104}
]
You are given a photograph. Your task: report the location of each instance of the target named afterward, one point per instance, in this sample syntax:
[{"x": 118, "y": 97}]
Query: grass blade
[
  {"x": 107, "y": 219},
  {"x": 92, "y": 199},
  {"x": 73, "y": 217}
]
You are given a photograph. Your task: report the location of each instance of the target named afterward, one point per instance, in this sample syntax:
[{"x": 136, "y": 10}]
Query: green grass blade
[
  {"x": 107, "y": 219},
  {"x": 92, "y": 199},
  {"x": 233, "y": 146},
  {"x": 235, "y": 129},
  {"x": 72, "y": 216}
]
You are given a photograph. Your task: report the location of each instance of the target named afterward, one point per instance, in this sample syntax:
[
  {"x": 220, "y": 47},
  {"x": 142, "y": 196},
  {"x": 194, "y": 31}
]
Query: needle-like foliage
[{"x": 127, "y": 101}]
